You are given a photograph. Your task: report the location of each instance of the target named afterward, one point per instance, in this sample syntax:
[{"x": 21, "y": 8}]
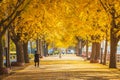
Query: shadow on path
[{"x": 66, "y": 70}]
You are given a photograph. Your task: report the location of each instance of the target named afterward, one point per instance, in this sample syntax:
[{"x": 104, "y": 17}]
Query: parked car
[
  {"x": 70, "y": 51},
  {"x": 50, "y": 52}
]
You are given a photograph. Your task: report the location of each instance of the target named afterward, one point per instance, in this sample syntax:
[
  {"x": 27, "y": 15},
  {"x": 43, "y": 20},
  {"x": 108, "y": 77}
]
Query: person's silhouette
[{"x": 36, "y": 59}]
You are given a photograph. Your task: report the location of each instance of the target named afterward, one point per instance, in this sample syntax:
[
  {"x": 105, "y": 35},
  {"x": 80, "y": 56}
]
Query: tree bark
[
  {"x": 77, "y": 49},
  {"x": 38, "y": 46},
  {"x": 113, "y": 42},
  {"x": 105, "y": 52},
  {"x": 93, "y": 53},
  {"x": 25, "y": 49},
  {"x": 41, "y": 49},
  {"x": 113, "y": 49},
  {"x": 94, "y": 58},
  {"x": 80, "y": 47},
  {"x": 1, "y": 53},
  {"x": 113, "y": 32},
  {"x": 19, "y": 52},
  {"x": 9, "y": 64},
  {"x": 45, "y": 49},
  {"x": 87, "y": 49},
  {"x": 31, "y": 51},
  {"x": 97, "y": 55}
]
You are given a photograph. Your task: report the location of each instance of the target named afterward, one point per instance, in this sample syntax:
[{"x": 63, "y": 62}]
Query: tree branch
[
  {"x": 17, "y": 6},
  {"x": 7, "y": 26},
  {"x": 103, "y": 5},
  {"x": 117, "y": 17},
  {"x": 14, "y": 17}
]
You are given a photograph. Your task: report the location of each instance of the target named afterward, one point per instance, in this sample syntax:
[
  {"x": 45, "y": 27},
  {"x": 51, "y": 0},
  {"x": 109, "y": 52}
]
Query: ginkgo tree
[
  {"x": 25, "y": 27},
  {"x": 112, "y": 9},
  {"x": 9, "y": 10},
  {"x": 61, "y": 21}
]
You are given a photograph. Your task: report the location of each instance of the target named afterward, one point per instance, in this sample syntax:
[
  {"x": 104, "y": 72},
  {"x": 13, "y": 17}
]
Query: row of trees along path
[{"x": 61, "y": 24}]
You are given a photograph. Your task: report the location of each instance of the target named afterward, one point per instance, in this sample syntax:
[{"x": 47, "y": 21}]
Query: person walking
[{"x": 36, "y": 59}]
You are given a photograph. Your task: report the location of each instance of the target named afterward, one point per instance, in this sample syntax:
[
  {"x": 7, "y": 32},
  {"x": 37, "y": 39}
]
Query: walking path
[{"x": 69, "y": 67}]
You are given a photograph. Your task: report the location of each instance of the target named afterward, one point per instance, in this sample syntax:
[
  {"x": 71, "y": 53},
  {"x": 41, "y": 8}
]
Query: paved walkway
[{"x": 69, "y": 67}]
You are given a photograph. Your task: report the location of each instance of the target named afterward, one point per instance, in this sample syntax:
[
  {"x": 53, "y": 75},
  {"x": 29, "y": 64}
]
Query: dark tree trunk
[
  {"x": 77, "y": 49},
  {"x": 113, "y": 42},
  {"x": 19, "y": 52},
  {"x": 45, "y": 49},
  {"x": 9, "y": 64},
  {"x": 31, "y": 47},
  {"x": 7, "y": 49},
  {"x": 1, "y": 54},
  {"x": 80, "y": 47},
  {"x": 93, "y": 52},
  {"x": 105, "y": 52},
  {"x": 113, "y": 32},
  {"x": 101, "y": 56},
  {"x": 38, "y": 46},
  {"x": 113, "y": 49},
  {"x": 41, "y": 48},
  {"x": 97, "y": 51},
  {"x": 94, "y": 58},
  {"x": 25, "y": 49},
  {"x": 87, "y": 50}
]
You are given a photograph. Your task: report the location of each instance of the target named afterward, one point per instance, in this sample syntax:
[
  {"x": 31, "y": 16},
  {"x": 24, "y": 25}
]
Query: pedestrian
[{"x": 36, "y": 59}]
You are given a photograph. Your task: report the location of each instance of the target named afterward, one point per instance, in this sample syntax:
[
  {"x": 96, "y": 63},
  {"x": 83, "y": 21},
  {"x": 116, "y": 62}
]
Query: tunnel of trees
[{"x": 61, "y": 23}]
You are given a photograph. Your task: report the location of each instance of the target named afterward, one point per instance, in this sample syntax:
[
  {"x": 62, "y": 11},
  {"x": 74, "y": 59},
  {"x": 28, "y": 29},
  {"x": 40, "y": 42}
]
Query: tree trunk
[
  {"x": 101, "y": 56},
  {"x": 77, "y": 49},
  {"x": 94, "y": 58},
  {"x": 7, "y": 49},
  {"x": 105, "y": 52},
  {"x": 31, "y": 51},
  {"x": 45, "y": 49},
  {"x": 9, "y": 64},
  {"x": 38, "y": 46},
  {"x": 1, "y": 54},
  {"x": 113, "y": 49},
  {"x": 113, "y": 42},
  {"x": 93, "y": 53},
  {"x": 41, "y": 49},
  {"x": 97, "y": 55},
  {"x": 19, "y": 52},
  {"x": 80, "y": 47},
  {"x": 87, "y": 50},
  {"x": 25, "y": 49}
]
